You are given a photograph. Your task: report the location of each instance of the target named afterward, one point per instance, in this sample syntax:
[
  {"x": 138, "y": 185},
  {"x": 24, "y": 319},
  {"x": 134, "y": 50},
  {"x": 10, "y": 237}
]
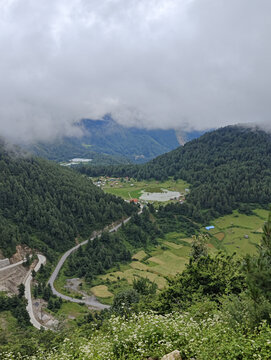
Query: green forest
[
  {"x": 228, "y": 168},
  {"x": 46, "y": 206}
]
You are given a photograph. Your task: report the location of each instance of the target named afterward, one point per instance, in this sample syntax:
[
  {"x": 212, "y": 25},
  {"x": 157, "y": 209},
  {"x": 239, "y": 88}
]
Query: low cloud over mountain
[{"x": 160, "y": 63}]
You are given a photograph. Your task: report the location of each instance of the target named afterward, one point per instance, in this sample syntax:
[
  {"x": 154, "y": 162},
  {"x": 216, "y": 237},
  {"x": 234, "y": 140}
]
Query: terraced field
[
  {"x": 232, "y": 233},
  {"x": 167, "y": 259}
]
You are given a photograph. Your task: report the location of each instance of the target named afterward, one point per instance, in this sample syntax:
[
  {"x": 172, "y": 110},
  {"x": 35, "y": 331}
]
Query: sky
[{"x": 184, "y": 64}]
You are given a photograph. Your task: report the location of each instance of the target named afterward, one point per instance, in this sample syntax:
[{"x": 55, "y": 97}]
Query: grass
[
  {"x": 140, "y": 255},
  {"x": 173, "y": 245},
  {"x": 169, "y": 258},
  {"x": 139, "y": 266},
  {"x": 8, "y": 325},
  {"x": 232, "y": 233},
  {"x": 101, "y": 291},
  {"x": 70, "y": 312},
  {"x": 238, "y": 232},
  {"x": 220, "y": 236}
]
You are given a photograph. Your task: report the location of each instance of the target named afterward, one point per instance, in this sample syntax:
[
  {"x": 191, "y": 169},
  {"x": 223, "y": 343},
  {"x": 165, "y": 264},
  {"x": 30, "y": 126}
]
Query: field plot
[
  {"x": 101, "y": 291},
  {"x": 140, "y": 255},
  {"x": 238, "y": 232},
  {"x": 167, "y": 259}
]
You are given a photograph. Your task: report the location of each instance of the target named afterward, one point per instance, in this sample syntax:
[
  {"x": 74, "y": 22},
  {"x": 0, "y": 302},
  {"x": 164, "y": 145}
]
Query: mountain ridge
[{"x": 107, "y": 142}]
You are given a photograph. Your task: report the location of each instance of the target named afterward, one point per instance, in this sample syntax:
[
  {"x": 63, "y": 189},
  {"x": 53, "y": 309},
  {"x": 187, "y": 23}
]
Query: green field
[
  {"x": 130, "y": 189},
  {"x": 167, "y": 259},
  {"x": 241, "y": 232},
  {"x": 232, "y": 233}
]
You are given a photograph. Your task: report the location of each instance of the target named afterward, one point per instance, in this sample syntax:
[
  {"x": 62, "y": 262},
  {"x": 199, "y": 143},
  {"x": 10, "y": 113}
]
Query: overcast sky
[{"x": 154, "y": 63}]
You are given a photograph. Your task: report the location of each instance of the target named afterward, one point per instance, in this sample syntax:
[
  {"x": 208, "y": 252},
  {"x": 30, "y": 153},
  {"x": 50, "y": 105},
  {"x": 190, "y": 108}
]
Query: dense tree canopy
[{"x": 47, "y": 206}]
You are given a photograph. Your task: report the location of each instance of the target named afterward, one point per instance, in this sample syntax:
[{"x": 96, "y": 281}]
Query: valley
[
  {"x": 135, "y": 180},
  {"x": 129, "y": 188},
  {"x": 182, "y": 228},
  {"x": 236, "y": 233}
]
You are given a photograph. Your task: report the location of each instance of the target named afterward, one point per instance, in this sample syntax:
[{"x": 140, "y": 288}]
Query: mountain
[
  {"x": 184, "y": 136},
  {"x": 226, "y": 168},
  {"x": 106, "y": 142},
  {"x": 46, "y": 206}
]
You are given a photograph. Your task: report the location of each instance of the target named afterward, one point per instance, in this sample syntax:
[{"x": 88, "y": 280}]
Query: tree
[
  {"x": 199, "y": 247},
  {"x": 258, "y": 268},
  {"x": 144, "y": 286},
  {"x": 21, "y": 289},
  {"x": 124, "y": 302}
]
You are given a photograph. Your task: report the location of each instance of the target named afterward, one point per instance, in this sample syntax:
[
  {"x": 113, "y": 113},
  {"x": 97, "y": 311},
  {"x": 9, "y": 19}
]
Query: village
[{"x": 144, "y": 192}]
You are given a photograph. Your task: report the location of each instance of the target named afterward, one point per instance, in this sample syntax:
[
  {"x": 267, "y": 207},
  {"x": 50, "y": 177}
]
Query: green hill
[
  {"x": 46, "y": 206},
  {"x": 225, "y": 167}
]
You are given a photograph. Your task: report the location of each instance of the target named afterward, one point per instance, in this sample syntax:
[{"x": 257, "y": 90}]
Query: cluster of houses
[{"x": 105, "y": 180}]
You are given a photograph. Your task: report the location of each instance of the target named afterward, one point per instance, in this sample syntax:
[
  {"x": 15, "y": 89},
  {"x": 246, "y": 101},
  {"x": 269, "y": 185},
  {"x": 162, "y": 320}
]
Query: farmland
[
  {"x": 167, "y": 259},
  {"x": 236, "y": 232},
  {"x": 232, "y": 233}
]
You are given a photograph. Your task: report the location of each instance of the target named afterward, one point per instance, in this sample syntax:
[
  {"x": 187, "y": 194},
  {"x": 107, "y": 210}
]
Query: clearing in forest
[
  {"x": 133, "y": 189},
  {"x": 238, "y": 232}
]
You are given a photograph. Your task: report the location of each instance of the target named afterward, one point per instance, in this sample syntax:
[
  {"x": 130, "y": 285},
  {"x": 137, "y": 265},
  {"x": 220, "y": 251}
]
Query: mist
[{"x": 187, "y": 64}]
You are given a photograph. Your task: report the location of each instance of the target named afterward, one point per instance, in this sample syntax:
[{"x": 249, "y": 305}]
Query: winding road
[
  {"x": 27, "y": 283},
  {"x": 91, "y": 300}
]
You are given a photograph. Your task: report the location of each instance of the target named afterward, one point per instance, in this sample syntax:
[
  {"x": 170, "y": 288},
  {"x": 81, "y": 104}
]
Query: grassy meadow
[{"x": 238, "y": 232}]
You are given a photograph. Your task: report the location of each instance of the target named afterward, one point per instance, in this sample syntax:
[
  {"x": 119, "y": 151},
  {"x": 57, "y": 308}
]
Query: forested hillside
[
  {"x": 107, "y": 142},
  {"x": 46, "y": 206},
  {"x": 226, "y": 168}
]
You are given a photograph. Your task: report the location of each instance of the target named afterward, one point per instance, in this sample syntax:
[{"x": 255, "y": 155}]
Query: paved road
[
  {"x": 91, "y": 301},
  {"x": 27, "y": 283},
  {"x": 12, "y": 265}
]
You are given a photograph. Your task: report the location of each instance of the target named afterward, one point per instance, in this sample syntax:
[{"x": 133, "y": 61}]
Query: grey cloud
[{"x": 158, "y": 63}]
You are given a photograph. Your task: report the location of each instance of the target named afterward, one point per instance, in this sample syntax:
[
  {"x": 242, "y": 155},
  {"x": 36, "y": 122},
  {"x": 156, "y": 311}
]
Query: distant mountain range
[{"x": 107, "y": 142}]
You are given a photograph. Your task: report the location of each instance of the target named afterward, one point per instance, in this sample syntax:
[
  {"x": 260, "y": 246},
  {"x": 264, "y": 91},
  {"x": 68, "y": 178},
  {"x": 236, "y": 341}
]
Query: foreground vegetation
[
  {"x": 148, "y": 334},
  {"x": 218, "y": 308}
]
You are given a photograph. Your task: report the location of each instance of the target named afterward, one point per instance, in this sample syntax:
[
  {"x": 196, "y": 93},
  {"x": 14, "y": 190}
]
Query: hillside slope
[
  {"x": 46, "y": 206},
  {"x": 225, "y": 167},
  {"x": 107, "y": 141}
]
